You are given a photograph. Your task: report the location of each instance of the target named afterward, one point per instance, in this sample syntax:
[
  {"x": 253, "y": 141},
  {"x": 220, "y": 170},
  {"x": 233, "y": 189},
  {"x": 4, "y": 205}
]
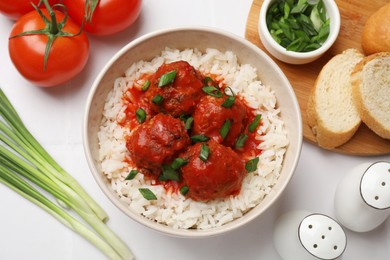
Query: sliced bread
[
  {"x": 371, "y": 92},
  {"x": 331, "y": 113}
]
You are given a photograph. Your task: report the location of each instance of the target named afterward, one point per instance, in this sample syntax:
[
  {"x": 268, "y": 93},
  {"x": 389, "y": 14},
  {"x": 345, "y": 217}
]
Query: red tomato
[
  {"x": 15, "y": 9},
  {"x": 67, "y": 57},
  {"x": 110, "y": 16}
]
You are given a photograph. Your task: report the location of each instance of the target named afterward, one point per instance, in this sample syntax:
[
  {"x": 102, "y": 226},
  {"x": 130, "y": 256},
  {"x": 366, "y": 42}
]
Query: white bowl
[
  {"x": 151, "y": 45},
  {"x": 293, "y": 57}
]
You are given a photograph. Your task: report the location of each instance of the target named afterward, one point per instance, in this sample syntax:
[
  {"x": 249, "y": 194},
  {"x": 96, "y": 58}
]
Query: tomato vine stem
[
  {"x": 53, "y": 25},
  {"x": 90, "y": 6}
]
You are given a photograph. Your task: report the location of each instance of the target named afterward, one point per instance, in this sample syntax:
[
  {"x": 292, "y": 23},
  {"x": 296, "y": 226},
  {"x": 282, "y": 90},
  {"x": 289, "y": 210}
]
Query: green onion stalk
[{"x": 22, "y": 158}]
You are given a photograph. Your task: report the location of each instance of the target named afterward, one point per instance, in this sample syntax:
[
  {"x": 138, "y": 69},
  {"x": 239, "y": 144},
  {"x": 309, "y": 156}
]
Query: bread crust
[
  {"x": 325, "y": 137},
  {"x": 376, "y": 32},
  {"x": 358, "y": 99}
]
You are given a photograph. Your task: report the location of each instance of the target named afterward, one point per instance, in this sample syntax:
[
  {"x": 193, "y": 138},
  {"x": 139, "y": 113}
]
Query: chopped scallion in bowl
[{"x": 298, "y": 31}]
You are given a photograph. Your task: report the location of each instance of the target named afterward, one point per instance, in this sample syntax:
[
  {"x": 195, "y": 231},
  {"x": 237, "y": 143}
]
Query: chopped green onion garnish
[
  {"x": 225, "y": 128},
  {"x": 297, "y": 24},
  {"x": 212, "y": 91},
  {"x": 131, "y": 175},
  {"x": 184, "y": 117},
  {"x": 161, "y": 177},
  {"x": 140, "y": 114},
  {"x": 157, "y": 99},
  {"x": 167, "y": 78},
  {"x": 188, "y": 123},
  {"x": 323, "y": 33},
  {"x": 322, "y": 10},
  {"x": 199, "y": 138},
  {"x": 168, "y": 173},
  {"x": 147, "y": 194},
  {"x": 231, "y": 91},
  {"x": 241, "y": 140},
  {"x": 204, "y": 152},
  {"x": 286, "y": 10},
  {"x": 251, "y": 165},
  {"x": 178, "y": 163},
  {"x": 184, "y": 190},
  {"x": 146, "y": 85},
  {"x": 255, "y": 123},
  {"x": 208, "y": 80},
  {"x": 316, "y": 19},
  {"x": 300, "y": 6},
  {"x": 228, "y": 103}
]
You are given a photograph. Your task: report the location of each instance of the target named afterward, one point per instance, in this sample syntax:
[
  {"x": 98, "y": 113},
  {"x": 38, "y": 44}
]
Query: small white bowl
[
  {"x": 150, "y": 45},
  {"x": 293, "y": 57}
]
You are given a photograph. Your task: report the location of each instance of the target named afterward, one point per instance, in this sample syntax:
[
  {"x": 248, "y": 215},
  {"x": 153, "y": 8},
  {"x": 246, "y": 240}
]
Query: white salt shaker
[
  {"x": 308, "y": 236},
  {"x": 362, "y": 199}
]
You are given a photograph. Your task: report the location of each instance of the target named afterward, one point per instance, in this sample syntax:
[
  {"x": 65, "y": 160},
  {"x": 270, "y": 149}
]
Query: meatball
[
  {"x": 210, "y": 116},
  {"x": 220, "y": 176},
  {"x": 157, "y": 142},
  {"x": 179, "y": 97}
]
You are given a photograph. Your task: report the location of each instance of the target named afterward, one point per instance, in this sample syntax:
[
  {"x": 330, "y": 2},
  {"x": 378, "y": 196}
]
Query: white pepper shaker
[
  {"x": 308, "y": 236},
  {"x": 362, "y": 199}
]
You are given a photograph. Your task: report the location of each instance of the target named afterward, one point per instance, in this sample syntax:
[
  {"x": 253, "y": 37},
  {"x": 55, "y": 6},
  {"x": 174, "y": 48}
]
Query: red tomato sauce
[{"x": 161, "y": 136}]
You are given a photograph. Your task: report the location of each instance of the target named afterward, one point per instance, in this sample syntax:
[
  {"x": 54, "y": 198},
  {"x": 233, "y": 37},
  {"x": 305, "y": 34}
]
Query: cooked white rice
[{"x": 173, "y": 209}]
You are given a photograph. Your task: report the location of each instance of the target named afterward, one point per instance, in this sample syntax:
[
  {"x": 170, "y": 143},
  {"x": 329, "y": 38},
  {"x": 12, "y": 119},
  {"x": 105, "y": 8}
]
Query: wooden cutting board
[{"x": 354, "y": 14}]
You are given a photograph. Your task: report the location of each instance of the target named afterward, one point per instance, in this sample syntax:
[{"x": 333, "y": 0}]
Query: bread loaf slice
[
  {"x": 371, "y": 92},
  {"x": 331, "y": 113}
]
